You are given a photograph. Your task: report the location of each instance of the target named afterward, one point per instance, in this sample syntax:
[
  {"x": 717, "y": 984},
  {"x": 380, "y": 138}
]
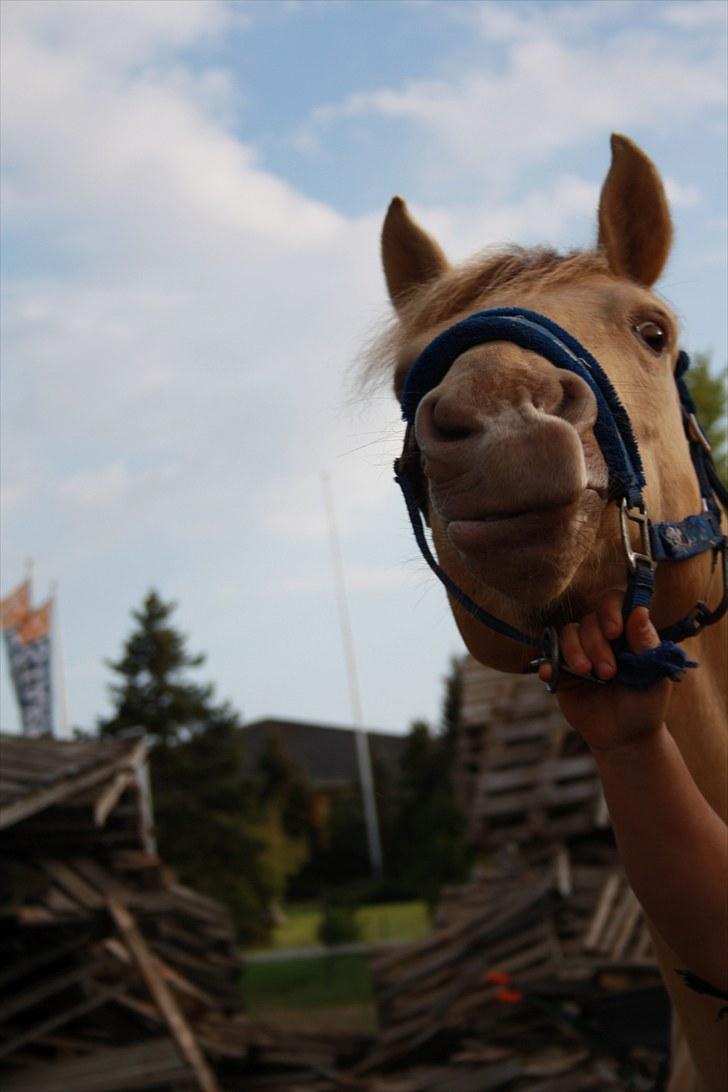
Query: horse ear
[
  {"x": 409, "y": 255},
  {"x": 635, "y": 230}
]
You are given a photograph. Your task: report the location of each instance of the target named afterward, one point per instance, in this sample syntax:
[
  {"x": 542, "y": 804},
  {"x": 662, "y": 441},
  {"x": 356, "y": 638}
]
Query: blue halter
[{"x": 615, "y": 436}]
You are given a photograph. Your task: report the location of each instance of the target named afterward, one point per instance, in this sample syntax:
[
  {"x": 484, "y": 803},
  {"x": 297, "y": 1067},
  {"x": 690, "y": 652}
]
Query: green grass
[
  {"x": 393, "y": 921},
  {"x": 377, "y": 922},
  {"x": 307, "y": 983},
  {"x": 332, "y": 990}
]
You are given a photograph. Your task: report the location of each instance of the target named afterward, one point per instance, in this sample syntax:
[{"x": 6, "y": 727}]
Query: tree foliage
[
  {"x": 421, "y": 825},
  {"x": 153, "y": 692},
  {"x": 222, "y": 830},
  {"x": 710, "y": 392},
  {"x": 425, "y": 844}
]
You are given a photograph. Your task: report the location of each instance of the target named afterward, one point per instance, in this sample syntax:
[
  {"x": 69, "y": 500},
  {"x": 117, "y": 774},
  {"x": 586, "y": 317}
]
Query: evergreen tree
[
  {"x": 209, "y": 822},
  {"x": 450, "y": 722},
  {"x": 152, "y": 692},
  {"x": 427, "y": 846}
]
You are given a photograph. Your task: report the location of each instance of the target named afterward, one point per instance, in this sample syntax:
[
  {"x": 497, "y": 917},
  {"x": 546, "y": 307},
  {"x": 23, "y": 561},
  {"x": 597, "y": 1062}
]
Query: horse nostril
[{"x": 448, "y": 420}]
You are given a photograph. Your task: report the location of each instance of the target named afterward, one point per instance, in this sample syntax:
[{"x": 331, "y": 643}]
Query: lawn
[
  {"x": 327, "y": 991},
  {"x": 338, "y": 988},
  {"x": 377, "y": 922}
]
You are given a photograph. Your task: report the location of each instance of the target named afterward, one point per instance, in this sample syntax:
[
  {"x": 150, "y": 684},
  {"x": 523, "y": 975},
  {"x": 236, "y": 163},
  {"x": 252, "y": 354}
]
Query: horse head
[{"x": 514, "y": 482}]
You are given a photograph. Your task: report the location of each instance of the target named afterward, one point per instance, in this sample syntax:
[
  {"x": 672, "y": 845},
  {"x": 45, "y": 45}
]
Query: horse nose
[
  {"x": 444, "y": 420},
  {"x": 449, "y": 419}
]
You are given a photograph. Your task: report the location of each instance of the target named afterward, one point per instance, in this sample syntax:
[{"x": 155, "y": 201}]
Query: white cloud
[
  {"x": 99, "y": 487},
  {"x": 696, "y": 15},
  {"x": 152, "y": 147},
  {"x": 682, "y": 196},
  {"x": 548, "y": 96},
  {"x": 115, "y": 32}
]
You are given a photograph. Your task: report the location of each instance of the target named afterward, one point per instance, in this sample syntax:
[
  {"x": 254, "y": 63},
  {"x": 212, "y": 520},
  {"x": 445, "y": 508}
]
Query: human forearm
[{"x": 674, "y": 848}]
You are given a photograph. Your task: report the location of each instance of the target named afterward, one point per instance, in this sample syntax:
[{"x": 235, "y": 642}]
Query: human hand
[{"x": 608, "y": 716}]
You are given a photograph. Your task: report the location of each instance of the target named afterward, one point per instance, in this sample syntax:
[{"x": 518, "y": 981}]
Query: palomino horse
[{"x": 514, "y": 481}]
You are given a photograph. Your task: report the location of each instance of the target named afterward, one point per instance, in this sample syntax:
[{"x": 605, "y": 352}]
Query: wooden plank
[
  {"x": 47, "y": 988},
  {"x": 553, "y": 770},
  {"x": 151, "y": 1064},
  {"x": 151, "y": 971},
  {"x": 627, "y": 931},
  {"x": 104, "y": 881},
  {"x": 620, "y": 915},
  {"x": 59, "y": 903},
  {"x": 110, "y": 795},
  {"x": 601, "y": 914},
  {"x": 70, "y": 880},
  {"x": 41, "y": 799},
  {"x": 37, "y": 1031},
  {"x": 551, "y": 795},
  {"x": 32, "y": 914},
  {"x": 135, "y": 860},
  {"x": 26, "y": 964}
]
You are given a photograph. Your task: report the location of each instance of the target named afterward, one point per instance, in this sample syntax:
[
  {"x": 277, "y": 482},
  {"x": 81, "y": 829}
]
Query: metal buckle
[
  {"x": 639, "y": 516},
  {"x": 701, "y": 614}
]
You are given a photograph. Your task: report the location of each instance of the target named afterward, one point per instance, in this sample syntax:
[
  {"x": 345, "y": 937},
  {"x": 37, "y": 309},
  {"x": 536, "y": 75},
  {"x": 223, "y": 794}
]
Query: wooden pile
[
  {"x": 114, "y": 976},
  {"x": 531, "y": 974},
  {"x": 539, "y": 975},
  {"x": 523, "y": 775}
]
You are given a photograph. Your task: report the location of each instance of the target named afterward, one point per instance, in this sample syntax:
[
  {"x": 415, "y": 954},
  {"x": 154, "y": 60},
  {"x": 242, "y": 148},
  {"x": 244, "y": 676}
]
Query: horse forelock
[{"x": 463, "y": 288}]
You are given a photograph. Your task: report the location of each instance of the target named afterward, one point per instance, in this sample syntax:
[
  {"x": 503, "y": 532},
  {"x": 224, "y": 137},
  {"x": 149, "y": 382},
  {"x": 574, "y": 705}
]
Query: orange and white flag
[
  {"x": 15, "y": 608},
  {"x": 37, "y": 624}
]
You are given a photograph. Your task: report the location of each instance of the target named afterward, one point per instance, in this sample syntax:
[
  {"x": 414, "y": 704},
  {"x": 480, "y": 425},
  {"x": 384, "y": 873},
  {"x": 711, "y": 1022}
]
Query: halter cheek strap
[{"x": 615, "y": 436}]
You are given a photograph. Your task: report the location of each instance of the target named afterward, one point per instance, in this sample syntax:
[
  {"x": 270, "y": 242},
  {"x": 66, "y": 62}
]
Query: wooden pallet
[{"x": 522, "y": 774}]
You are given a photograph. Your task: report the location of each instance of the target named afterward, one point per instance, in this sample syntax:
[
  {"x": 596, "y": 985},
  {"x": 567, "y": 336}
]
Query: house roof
[{"x": 327, "y": 753}]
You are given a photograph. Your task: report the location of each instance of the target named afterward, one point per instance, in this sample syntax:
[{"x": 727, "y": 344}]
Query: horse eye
[{"x": 652, "y": 334}]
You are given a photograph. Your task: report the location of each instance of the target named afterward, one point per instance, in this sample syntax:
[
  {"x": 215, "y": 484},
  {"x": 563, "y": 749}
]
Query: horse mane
[{"x": 460, "y": 289}]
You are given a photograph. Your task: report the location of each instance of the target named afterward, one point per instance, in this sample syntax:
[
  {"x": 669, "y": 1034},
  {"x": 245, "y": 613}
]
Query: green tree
[
  {"x": 711, "y": 399},
  {"x": 426, "y": 844},
  {"x": 450, "y": 720},
  {"x": 153, "y": 692},
  {"x": 208, "y": 818},
  {"x": 285, "y": 804},
  {"x": 284, "y": 784}
]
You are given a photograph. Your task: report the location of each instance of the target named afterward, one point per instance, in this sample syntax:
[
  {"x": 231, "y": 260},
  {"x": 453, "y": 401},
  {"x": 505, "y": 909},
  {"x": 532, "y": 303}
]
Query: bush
[{"x": 339, "y": 925}]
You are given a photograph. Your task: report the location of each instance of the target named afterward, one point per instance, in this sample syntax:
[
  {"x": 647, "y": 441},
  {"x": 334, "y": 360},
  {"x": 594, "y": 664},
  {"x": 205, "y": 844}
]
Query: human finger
[
  {"x": 572, "y": 650},
  {"x": 609, "y": 613},
  {"x": 597, "y": 647},
  {"x": 640, "y": 632},
  {"x": 545, "y": 672}
]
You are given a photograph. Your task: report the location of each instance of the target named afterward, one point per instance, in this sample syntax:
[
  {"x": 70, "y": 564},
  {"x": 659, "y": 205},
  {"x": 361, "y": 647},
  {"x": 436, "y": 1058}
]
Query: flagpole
[
  {"x": 366, "y": 779},
  {"x": 60, "y": 667}
]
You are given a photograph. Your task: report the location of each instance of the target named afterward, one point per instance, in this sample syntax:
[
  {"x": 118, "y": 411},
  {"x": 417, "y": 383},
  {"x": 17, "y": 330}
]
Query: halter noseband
[{"x": 615, "y": 436}]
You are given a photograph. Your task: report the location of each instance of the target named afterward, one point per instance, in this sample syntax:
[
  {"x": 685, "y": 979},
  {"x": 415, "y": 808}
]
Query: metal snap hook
[{"x": 551, "y": 655}]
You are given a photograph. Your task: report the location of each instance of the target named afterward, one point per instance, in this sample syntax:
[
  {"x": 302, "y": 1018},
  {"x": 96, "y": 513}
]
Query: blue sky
[{"x": 192, "y": 195}]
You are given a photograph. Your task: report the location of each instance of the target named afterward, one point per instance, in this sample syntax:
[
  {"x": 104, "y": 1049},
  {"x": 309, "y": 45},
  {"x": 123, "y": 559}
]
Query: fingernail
[
  {"x": 604, "y": 670},
  {"x": 612, "y": 628}
]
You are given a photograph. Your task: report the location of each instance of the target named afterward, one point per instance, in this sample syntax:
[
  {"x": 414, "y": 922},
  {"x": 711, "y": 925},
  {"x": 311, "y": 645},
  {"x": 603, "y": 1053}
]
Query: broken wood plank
[
  {"x": 110, "y": 795},
  {"x": 150, "y": 969}
]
